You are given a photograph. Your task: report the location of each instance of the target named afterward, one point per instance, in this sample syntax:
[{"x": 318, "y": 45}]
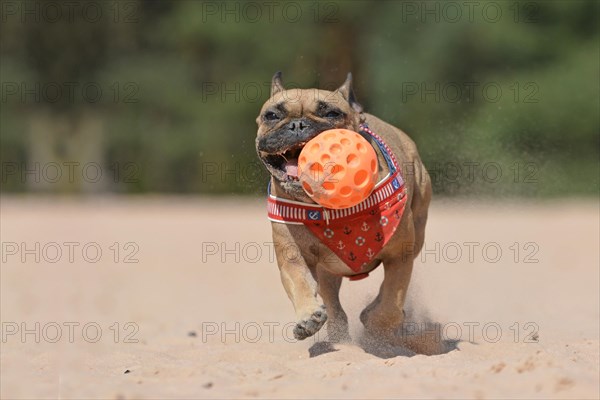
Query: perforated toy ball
[{"x": 338, "y": 168}]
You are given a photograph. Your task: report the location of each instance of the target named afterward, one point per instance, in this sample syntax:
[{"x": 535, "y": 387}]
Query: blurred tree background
[{"x": 502, "y": 97}]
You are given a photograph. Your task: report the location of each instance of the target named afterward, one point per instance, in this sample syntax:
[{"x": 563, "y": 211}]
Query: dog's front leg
[
  {"x": 329, "y": 289},
  {"x": 301, "y": 286},
  {"x": 385, "y": 314}
]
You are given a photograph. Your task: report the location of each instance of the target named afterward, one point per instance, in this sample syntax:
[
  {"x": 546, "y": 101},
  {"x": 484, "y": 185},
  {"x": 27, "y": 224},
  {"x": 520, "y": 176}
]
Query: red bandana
[{"x": 356, "y": 234}]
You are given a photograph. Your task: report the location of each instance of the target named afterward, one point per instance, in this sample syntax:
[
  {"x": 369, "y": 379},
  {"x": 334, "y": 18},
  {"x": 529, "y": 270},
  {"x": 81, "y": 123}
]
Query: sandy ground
[{"x": 202, "y": 313}]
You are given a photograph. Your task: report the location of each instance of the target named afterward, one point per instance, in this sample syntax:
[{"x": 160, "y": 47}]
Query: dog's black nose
[{"x": 298, "y": 125}]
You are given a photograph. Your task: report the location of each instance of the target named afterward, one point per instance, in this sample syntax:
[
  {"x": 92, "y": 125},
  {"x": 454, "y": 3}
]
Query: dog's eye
[
  {"x": 333, "y": 114},
  {"x": 270, "y": 116}
]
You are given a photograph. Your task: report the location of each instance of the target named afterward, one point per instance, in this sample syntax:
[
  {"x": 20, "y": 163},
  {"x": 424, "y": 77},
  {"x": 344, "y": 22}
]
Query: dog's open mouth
[{"x": 286, "y": 163}]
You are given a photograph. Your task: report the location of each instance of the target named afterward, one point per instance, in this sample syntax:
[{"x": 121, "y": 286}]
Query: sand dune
[{"x": 180, "y": 298}]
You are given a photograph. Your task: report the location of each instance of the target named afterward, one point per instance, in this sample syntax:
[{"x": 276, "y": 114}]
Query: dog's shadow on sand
[
  {"x": 375, "y": 346},
  {"x": 320, "y": 348},
  {"x": 406, "y": 347}
]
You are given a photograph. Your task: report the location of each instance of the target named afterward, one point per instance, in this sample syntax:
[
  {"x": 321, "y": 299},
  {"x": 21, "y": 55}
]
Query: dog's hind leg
[{"x": 337, "y": 322}]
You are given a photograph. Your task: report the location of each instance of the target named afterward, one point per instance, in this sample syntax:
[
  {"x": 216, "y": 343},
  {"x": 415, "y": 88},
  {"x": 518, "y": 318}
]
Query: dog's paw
[
  {"x": 309, "y": 326},
  {"x": 382, "y": 328},
  {"x": 380, "y": 323}
]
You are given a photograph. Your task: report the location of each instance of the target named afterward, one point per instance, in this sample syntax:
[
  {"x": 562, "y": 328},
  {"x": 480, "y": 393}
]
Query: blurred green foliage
[{"x": 501, "y": 97}]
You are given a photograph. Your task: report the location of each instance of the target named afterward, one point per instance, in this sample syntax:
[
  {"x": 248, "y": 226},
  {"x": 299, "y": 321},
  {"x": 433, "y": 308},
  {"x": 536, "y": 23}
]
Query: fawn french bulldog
[{"x": 387, "y": 228}]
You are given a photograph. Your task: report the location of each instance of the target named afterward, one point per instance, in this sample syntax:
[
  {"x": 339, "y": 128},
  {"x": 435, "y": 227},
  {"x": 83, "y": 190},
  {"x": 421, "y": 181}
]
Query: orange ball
[{"x": 338, "y": 168}]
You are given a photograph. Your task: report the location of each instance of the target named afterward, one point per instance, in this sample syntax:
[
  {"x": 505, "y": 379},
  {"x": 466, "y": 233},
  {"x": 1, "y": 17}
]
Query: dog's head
[{"x": 290, "y": 118}]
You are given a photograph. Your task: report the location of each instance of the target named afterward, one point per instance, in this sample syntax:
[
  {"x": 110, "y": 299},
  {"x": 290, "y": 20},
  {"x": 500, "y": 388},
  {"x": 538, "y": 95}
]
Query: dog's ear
[
  {"x": 348, "y": 93},
  {"x": 276, "y": 83}
]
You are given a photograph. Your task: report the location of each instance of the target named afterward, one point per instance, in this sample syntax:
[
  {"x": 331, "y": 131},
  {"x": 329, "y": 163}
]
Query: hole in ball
[
  {"x": 337, "y": 171},
  {"x": 307, "y": 188},
  {"x": 360, "y": 177},
  {"x": 316, "y": 171},
  {"x": 352, "y": 160},
  {"x": 328, "y": 186}
]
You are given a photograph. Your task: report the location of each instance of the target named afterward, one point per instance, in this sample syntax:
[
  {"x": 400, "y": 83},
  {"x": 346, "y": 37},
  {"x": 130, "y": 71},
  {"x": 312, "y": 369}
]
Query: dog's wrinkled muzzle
[{"x": 279, "y": 150}]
